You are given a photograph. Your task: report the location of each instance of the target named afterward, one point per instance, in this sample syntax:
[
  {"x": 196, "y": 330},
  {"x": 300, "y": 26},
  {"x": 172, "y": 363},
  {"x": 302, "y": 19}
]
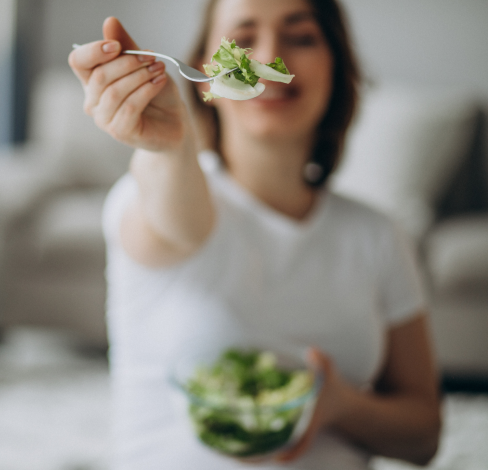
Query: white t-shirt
[{"x": 336, "y": 280}]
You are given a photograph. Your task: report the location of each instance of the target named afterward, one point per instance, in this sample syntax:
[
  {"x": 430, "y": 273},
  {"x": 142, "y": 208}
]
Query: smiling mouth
[{"x": 278, "y": 93}]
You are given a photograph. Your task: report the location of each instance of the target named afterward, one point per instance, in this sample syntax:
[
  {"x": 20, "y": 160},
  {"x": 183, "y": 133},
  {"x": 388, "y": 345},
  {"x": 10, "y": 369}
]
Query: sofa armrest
[
  {"x": 87, "y": 156},
  {"x": 26, "y": 179},
  {"x": 404, "y": 149},
  {"x": 456, "y": 252}
]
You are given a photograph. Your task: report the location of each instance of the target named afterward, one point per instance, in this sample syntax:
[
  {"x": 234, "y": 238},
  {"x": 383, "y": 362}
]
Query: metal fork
[{"x": 188, "y": 72}]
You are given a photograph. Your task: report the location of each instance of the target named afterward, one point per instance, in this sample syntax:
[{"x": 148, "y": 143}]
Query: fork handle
[{"x": 154, "y": 54}]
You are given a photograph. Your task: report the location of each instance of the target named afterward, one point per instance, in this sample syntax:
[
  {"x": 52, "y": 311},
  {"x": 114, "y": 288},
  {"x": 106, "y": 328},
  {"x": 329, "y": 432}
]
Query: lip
[{"x": 277, "y": 95}]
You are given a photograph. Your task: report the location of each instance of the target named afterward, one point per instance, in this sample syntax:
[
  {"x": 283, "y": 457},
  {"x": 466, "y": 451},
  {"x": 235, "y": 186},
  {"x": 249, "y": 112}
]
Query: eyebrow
[{"x": 291, "y": 19}]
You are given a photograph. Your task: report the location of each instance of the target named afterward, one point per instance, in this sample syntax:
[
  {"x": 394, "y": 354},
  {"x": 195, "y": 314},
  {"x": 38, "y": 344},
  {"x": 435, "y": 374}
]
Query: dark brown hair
[{"x": 332, "y": 129}]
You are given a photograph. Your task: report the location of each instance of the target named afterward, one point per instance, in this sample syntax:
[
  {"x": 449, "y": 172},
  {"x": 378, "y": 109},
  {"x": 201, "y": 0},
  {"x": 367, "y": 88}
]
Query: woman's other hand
[
  {"x": 330, "y": 403},
  {"x": 400, "y": 417},
  {"x": 129, "y": 97}
]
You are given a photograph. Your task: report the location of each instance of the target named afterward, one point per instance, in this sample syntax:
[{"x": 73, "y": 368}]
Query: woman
[{"x": 251, "y": 242}]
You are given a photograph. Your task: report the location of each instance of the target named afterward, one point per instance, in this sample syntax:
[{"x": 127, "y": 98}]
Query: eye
[{"x": 302, "y": 40}]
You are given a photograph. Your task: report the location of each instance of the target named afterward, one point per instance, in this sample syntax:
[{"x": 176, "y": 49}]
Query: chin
[
  {"x": 266, "y": 121},
  {"x": 282, "y": 111},
  {"x": 282, "y": 131}
]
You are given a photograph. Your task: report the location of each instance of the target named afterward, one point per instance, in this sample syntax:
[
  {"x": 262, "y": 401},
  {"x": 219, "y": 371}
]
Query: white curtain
[{"x": 7, "y": 35}]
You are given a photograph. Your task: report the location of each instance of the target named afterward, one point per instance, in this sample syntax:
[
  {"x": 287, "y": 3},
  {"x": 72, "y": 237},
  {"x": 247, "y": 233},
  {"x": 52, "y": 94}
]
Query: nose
[{"x": 266, "y": 49}]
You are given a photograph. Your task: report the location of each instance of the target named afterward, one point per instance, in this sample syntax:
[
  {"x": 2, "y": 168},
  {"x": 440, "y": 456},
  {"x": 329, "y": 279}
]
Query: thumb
[
  {"x": 320, "y": 361},
  {"x": 113, "y": 29}
]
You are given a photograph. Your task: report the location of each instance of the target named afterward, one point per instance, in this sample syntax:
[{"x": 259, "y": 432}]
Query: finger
[
  {"x": 113, "y": 29},
  {"x": 129, "y": 115},
  {"x": 322, "y": 364},
  {"x": 103, "y": 76},
  {"x": 85, "y": 58},
  {"x": 319, "y": 360},
  {"x": 303, "y": 444},
  {"x": 122, "y": 90}
]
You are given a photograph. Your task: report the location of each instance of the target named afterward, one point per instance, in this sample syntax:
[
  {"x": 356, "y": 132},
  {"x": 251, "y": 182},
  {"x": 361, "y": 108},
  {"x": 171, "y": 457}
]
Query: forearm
[
  {"x": 173, "y": 213},
  {"x": 403, "y": 427}
]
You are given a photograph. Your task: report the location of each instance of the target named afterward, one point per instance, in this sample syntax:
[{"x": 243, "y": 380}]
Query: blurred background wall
[
  {"x": 432, "y": 42},
  {"x": 20, "y": 32},
  {"x": 7, "y": 17},
  {"x": 425, "y": 42}
]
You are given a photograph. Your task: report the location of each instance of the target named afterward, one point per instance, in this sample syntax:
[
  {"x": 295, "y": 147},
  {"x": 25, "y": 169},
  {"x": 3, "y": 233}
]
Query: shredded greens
[
  {"x": 241, "y": 84},
  {"x": 237, "y": 407}
]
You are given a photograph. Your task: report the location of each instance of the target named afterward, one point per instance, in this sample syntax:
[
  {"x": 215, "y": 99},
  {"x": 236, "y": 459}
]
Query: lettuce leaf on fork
[{"x": 241, "y": 84}]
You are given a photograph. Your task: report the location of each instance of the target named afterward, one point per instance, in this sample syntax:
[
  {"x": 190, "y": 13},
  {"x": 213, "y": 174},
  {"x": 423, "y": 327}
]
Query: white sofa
[
  {"x": 410, "y": 153},
  {"x": 51, "y": 195},
  {"x": 417, "y": 154}
]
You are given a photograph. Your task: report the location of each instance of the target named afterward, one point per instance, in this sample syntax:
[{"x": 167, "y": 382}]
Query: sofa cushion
[
  {"x": 457, "y": 253},
  {"x": 403, "y": 150},
  {"x": 85, "y": 155},
  {"x": 68, "y": 231},
  {"x": 25, "y": 180}
]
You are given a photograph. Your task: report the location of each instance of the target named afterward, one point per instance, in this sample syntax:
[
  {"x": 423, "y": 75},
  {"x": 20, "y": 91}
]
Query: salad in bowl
[{"x": 247, "y": 402}]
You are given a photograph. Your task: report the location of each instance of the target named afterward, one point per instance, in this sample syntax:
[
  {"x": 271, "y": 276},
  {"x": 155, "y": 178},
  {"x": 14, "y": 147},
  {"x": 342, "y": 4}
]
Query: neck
[{"x": 271, "y": 169}]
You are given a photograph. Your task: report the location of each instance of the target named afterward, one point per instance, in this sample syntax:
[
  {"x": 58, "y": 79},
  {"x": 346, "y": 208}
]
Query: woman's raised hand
[
  {"x": 135, "y": 102},
  {"x": 129, "y": 97}
]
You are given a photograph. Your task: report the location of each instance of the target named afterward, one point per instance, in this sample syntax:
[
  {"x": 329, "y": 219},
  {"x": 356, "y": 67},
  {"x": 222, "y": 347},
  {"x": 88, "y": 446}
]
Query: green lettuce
[
  {"x": 279, "y": 66},
  {"x": 230, "y": 56}
]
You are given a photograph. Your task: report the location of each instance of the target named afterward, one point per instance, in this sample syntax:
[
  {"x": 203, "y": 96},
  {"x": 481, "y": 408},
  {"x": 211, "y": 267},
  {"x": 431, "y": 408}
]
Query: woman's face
[{"x": 277, "y": 28}]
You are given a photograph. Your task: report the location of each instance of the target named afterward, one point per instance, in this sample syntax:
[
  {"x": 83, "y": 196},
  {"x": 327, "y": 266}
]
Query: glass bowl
[{"x": 272, "y": 409}]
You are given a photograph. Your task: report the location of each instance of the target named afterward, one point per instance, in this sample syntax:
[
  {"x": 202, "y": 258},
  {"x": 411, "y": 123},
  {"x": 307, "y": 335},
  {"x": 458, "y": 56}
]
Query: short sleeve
[
  {"x": 125, "y": 274},
  {"x": 401, "y": 285}
]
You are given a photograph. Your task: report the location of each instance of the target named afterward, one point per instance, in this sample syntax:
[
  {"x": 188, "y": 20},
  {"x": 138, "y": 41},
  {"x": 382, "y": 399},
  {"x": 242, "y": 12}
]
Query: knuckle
[
  {"x": 99, "y": 121},
  {"x": 113, "y": 94},
  {"x": 87, "y": 109},
  {"x": 145, "y": 73},
  {"x": 99, "y": 76},
  {"x": 147, "y": 91},
  {"x": 72, "y": 59},
  {"x": 117, "y": 132},
  {"x": 129, "y": 109},
  {"x": 88, "y": 106}
]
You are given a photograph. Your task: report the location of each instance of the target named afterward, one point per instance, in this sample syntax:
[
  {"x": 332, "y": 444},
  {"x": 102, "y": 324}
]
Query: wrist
[
  {"x": 176, "y": 139},
  {"x": 345, "y": 403},
  {"x": 177, "y": 154}
]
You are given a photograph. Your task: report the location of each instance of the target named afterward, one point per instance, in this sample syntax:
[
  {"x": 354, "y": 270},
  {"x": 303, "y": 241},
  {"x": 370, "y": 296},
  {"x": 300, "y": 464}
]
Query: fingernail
[
  {"x": 282, "y": 458},
  {"x": 109, "y": 47},
  {"x": 156, "y": 66},
  {"x": 158, "y": 79},
  {"x": 145, "y": 58},
  {"x": 314, "y": 354}
]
